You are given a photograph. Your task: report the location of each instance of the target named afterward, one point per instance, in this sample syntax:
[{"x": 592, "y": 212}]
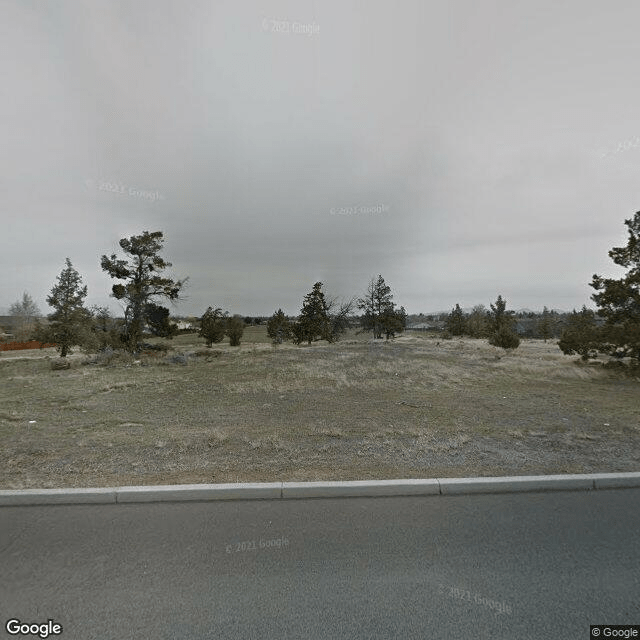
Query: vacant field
[{"x": 416, "y": 407}]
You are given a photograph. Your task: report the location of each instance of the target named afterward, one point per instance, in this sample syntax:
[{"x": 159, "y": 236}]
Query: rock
[{"x": 60, "y": 363}]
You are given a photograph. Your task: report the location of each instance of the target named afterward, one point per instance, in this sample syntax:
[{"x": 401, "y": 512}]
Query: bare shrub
[{"x": 60, "y": 364}]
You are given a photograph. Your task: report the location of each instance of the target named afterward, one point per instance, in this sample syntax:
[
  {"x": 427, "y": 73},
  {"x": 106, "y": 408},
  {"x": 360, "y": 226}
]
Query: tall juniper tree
[
  {"x": 619, "y": 300},
  {"x": 545, "y": 324},
  {"x": 455, "y": 323},
  {"x": 314, "y": 322},
  {"x": 69, "y": 322},
  {"x": 375, "y": 303},
  {"x": 143, "y": 282},
  {"x": 502, "y": 324}
]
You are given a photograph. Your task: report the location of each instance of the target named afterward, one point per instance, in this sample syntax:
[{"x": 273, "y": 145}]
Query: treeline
[
  {"x": 94, "y": 329},
  {"x": 479, "y": 323},
  {"x": 142, "y": 286},
  {"x": 322, "y": 319},
  {"x": 613, "y": 329}
]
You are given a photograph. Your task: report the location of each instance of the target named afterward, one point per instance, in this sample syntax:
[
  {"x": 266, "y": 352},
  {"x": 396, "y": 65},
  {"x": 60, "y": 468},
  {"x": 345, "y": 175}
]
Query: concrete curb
[{"x": 337, "y": 489}]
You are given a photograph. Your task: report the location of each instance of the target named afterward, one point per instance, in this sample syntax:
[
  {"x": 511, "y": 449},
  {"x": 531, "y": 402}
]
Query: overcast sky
[{"x": 456, "y": 148}]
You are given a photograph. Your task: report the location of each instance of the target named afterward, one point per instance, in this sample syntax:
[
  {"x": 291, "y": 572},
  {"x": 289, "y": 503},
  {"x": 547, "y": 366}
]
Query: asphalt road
[{"x": 516, "y": 566}]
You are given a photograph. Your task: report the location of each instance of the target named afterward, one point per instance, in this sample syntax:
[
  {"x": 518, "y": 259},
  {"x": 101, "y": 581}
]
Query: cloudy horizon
[{"x": 462, "y": 151}]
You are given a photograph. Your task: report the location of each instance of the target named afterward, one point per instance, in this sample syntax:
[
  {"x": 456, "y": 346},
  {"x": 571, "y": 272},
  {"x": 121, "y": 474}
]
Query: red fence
[{"x": 31, "y": 344}]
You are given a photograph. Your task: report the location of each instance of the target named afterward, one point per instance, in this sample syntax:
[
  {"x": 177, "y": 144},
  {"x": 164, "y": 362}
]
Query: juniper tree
[
  {"x": 69, "y": 323},
  {"x": 143, "y": 282},
  {"x": 104, "y": 330},
  {"x": 619, "y": 300},
  {"x": 500, "y": 317},
  {"x": 502, "y": 324},
  {"x": 279, "y": 327},
  {"x": 234, "y": 328},
  {"x": 393, "y": 321},
  {"x": 544, "y": 325},
  {"x": 476, "y": 323},
  {"x": 314, "y": 322},
  {"x": 455, "y": 323},
  {"x": 157, "y": 318},
  {"x": 376, "y": 301},
  {"x": 581, "y": 334},
  {"x": 213, "y": 325}
]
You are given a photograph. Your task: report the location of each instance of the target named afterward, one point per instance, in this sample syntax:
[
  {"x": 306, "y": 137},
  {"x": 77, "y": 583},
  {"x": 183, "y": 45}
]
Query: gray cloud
[{"x": 477, "y": 129}]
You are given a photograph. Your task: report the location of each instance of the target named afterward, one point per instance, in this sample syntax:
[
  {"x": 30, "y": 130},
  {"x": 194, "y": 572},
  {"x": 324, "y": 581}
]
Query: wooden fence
[{"x": 31, "y": 344}]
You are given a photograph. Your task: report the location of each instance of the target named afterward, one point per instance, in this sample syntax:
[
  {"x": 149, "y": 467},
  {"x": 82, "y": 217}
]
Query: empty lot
[{"x": 415, "y": 407}]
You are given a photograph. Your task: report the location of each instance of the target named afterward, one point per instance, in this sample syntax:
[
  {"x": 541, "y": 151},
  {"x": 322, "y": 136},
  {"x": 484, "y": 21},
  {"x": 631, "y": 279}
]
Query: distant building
[{"x": 423, "y": 326}]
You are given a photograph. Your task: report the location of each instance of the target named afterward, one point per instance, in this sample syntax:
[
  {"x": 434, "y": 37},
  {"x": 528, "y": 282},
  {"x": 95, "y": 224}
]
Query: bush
[
  {"x": 279, "y": 327},
  {"x": 206, "y": 353},
  {"x": 60, "y": 364},
  {"x": 505, "y": 338},
  {"x": 147, "y": 347},
  {"x": 234, "y": 329},
  {"x": 581, "y": 335},
  {"x": 110, "y": 358},
  {"x": 178, "y": 358}
]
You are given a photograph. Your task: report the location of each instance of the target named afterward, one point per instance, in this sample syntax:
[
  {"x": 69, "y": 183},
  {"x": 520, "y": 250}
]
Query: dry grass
[{"x": 415, "y": 407}]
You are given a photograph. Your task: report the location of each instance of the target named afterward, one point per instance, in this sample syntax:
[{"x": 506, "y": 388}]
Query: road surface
[{"x": 513, "y": 566}]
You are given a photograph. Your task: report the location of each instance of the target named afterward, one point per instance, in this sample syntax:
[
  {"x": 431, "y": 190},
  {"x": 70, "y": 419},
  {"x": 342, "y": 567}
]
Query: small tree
[
  {"x": 505, "y": 338},
  {"x": 339, "y": 317},
  {"x": 234, "y": 328},
  {"x": 143, "y": 282},
  {"x": 157, "y": 318},
  {"x": 500, "y": 317},
  {"x": 314, "y": 322},
  {"x": 213, "y": 325},
  {"x": 455, "y": 323},
  {"x": 25, "y": 312},
  {"x": 41, "y": 332},
  {"x": 393, "y": 321},
  {"x": 69, "y": 323},
  {"x": 105, "y": 331},
  {"x": 476, "y": 323},
  {"x": 374, "y": 303},
  {"x": 503, "y": 322},
  {"x": 581, "y": 335},
  {"x": 279, "y": 327},
  {"x": 545, "y": 325}
]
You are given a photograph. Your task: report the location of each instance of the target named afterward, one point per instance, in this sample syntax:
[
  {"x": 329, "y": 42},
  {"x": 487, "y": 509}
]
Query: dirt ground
[{"x": 416, "y": 407}]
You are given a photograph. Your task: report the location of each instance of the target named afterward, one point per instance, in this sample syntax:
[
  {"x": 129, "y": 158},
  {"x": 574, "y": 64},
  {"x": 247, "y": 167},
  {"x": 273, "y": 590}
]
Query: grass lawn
[{"x": 416, "y": 407}]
